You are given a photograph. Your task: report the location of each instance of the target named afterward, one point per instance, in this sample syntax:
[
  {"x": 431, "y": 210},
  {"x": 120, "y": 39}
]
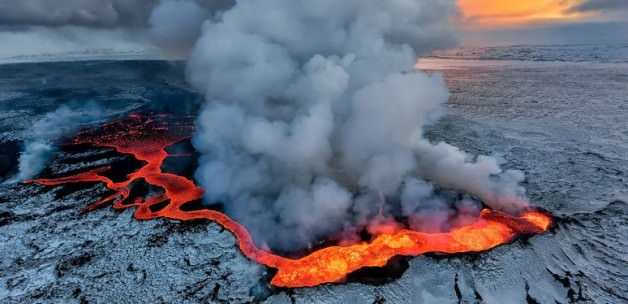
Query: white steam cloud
[
  {"x": 175, "y": 25},
  {"x": 315, "y": 117},
  {"x": 39, "y": 144}
]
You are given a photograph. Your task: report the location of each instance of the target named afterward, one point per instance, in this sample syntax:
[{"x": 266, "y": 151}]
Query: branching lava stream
[{"x": 146, "y": 139}]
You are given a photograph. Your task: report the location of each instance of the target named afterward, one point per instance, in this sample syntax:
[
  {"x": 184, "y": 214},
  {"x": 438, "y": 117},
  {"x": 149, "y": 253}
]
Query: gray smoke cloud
[
  {"x": 315, "y": 117},
  {"x": 175, "y": 25},
  {"x": 91, "y": 13},
  {"x": 39, "y": 143},
  {"x": 600, "y": 5},
  {"x": 43, "y": 27},
  {"x": 95, "y": 13}
]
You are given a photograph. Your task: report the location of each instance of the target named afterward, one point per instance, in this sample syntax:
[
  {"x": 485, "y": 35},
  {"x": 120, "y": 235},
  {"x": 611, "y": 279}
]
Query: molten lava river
[{"x": 146, "y": 139}]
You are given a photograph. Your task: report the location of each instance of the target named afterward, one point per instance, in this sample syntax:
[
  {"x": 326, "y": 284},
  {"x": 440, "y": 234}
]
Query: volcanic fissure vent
[{"x": 146, "y": 138}]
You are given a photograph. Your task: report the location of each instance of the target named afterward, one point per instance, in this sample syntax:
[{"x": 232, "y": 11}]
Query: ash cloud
[
  {"x": 39, "y": 143},
  {"x": 315, "y": 117}
]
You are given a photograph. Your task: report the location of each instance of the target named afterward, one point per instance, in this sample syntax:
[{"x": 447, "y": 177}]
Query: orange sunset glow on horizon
[{"x": 487, "y": 13}]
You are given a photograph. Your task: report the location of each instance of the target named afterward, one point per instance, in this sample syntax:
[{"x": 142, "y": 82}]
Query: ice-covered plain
[{"x": 561, "y": 121}]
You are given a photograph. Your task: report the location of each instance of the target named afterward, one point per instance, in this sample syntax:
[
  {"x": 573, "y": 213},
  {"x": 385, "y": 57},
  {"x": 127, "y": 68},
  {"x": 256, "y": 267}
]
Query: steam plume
[
  {"x": 315, "y": 116},
  {"x": 39, "y": 143}
]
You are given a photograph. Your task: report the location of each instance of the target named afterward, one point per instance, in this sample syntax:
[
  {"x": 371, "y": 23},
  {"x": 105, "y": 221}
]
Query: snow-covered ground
[{"x": 564, "y": 124}]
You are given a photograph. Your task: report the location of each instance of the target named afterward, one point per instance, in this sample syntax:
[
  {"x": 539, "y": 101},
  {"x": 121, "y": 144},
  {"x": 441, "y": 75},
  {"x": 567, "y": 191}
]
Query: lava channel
[{"x": 146, "y": 139}]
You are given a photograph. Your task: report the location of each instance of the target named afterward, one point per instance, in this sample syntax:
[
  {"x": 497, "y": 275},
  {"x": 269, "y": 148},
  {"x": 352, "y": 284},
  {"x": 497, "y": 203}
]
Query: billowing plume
[
  {"x": 315, "y": 118},
  {"x": 175, "y": 25},
  {"x": 39, "y": 143}
]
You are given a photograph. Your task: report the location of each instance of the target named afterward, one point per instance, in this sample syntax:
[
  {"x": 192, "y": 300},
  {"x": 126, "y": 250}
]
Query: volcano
[
  {"x": 147, "y": 137},
  {"x": 53, "y": 252}
]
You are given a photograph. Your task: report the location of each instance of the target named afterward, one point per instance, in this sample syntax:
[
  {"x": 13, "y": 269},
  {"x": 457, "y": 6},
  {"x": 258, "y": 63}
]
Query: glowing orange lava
[{"x": 146, "y": 139}]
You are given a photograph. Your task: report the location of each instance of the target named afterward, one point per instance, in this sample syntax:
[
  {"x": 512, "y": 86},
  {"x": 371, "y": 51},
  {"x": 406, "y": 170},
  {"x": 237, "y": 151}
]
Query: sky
[
  {"x": 499, "y": 13},
  {"x": 506, "y": 22},
  {"x": 494, "y": 13},
  {"x": 30, "y": 27}
]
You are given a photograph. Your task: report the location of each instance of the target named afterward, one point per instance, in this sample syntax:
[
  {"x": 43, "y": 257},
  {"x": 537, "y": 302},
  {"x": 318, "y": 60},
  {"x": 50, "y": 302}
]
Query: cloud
[
  {"x": 42, "y": 27},
  {"x": 49, "y": 29},
  {"x": 490, "y": 22},
  {"x": 550, "y": 34},
  {"x": 175, "y": 25},
  {"x": 90, "y": 13},
  {"x": 600, "y": 6},
  {"x": 496, "y": 13}
]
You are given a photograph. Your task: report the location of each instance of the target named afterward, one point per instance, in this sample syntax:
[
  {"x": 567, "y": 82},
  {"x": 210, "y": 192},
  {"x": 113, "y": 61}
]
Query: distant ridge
[
  {"x": 88, "y": 55},
  {"x": 601, "y": 53}
]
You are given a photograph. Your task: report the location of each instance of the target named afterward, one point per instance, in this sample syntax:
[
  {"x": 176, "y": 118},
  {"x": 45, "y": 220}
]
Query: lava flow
[{"x": 146, "y": 139}]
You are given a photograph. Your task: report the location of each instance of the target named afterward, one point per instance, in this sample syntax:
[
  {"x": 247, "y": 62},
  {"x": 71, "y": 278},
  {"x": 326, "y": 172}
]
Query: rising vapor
[
  {"x": 39, "y": 143},
  {"x": 315, "y": 117}
]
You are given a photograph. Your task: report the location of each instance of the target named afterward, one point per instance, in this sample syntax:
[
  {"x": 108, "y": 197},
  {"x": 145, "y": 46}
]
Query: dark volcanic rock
[{"x": 9, "y": 154}]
